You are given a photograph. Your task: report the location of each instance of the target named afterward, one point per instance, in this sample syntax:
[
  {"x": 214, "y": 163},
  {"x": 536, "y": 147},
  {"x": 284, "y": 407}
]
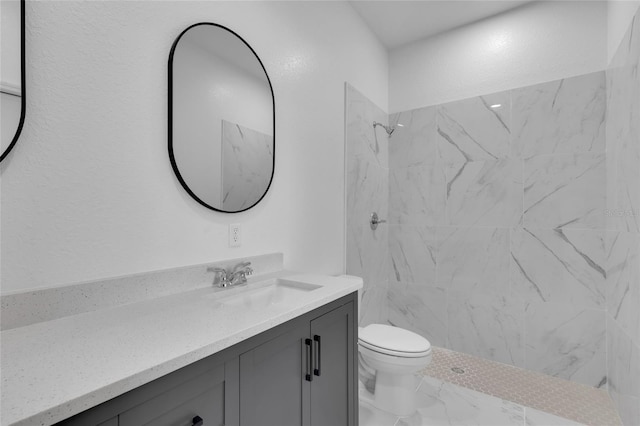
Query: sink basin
[{"x": 275, "y": 292}]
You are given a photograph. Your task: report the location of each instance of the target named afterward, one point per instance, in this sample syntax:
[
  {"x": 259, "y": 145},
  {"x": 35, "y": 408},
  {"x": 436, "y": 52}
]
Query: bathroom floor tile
[
  {"x": 569, "y": 400},
  {"x": 533, "y": 417},
  {"x": 371, "y": 416},
  {"x": 442, "y": 403}
]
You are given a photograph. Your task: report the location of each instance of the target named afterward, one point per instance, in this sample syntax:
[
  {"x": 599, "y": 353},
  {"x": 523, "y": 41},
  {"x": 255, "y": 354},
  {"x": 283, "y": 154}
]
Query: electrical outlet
[{"x": 235, "y": 235}]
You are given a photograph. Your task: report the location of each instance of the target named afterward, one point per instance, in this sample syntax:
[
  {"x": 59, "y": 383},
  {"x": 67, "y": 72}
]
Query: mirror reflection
[
  {"x": 11, "y": 90},
  {"x": 221, "y": 119}
]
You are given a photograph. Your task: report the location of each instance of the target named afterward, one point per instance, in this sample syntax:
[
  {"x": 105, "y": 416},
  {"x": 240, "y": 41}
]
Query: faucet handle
[
  {"x": 242, "y": 265},
  {"x": 220, "y": 273}
]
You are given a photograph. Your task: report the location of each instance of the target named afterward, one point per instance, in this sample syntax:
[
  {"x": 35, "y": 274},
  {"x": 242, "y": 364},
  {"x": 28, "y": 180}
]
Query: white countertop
[{"x": 53, "y": 370}]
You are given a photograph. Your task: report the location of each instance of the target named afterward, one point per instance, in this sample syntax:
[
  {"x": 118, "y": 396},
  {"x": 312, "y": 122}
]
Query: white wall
[
  {"x": 207, "y": 90},
  {"x": 88, "y": 191},
  {"x": 538, "y": 42},
  {"x": 10, "y": 106},
  {"x": 619, "y": 16}
]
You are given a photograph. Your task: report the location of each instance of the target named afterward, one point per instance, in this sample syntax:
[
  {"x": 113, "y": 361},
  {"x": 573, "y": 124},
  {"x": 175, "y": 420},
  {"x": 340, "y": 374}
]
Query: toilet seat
[{"x": 394, "y": 341}]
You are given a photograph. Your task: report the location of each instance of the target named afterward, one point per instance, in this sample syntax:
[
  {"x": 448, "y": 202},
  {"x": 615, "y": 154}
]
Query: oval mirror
[
  {"x": 221, "y": 119},
  {"x": 12, "y": 74}
]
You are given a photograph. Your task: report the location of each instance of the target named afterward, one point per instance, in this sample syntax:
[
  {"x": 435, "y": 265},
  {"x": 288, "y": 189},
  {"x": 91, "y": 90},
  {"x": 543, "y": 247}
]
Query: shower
[{"x": 389, "y": 129}]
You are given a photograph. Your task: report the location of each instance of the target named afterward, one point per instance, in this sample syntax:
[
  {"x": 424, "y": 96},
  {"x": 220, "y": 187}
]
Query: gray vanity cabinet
[
  {"x": 306, "y": 376},
  {"x": 300, "y": 373},
  {"x": 201, "y": 398},
  {"x": 273, "y": 389},
  {"x": 333, "y": 385},
  {"x": 207, "y": 390}
]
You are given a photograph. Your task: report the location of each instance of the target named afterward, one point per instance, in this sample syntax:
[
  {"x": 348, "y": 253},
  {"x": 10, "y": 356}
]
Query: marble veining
[
  {"x": 486, "y": 325},
  {"x": 484, "y": 193},
  {"x": 412, "y": 252},
  {"x": 623, "y": 372},
  {"x": 374, "y": 308},
  {"x": 623, "y": 132},
  {"x": 566, "y": 341},
  {"x": 442, "y": 403},
  {"x": 623, "y": 223},
  {"x": 475, "y": 129},
  {"x": 517, "y": 196},
  {"x": 420, "y": 308},
  {"x": 473, "y": 259},
  {"x": 247, "y": 165},
  {"x": 559, "y": 265},
  {"x": 417, "y": 195},
  {"x": 413, "y": 142},
  {"x": 560, "y": 117},
  {"x": 535, "y": 417},
  {"x": 623, "y": 281},
  {"x": 565, "y": 191},
  {"x": 367, "y": 251}
]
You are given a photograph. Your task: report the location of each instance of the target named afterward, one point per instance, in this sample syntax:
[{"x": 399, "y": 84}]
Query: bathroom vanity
[
  {"x": 301, "y": 372},
  {"x": 278, "y": 351}
]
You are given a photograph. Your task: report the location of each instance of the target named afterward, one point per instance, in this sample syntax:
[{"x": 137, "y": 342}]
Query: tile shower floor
[{"x": 484, "y": 392}]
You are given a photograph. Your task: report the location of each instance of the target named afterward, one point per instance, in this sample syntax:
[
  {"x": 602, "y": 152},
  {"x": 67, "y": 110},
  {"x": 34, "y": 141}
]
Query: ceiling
[{"x": 398, "y": 22}]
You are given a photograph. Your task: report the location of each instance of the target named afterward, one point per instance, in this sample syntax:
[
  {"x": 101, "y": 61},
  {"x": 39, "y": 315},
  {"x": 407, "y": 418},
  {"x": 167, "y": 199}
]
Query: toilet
[
  {"x": 389, "y": 356},
  {"x": 393, "y": 355}
]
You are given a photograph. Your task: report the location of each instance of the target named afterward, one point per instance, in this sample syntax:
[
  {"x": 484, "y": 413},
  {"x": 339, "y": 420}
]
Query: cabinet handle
[
  {"x": 197, "y": 421},
  {"x": 316, "y": 371},
  {"x": 308, "y": 376}
]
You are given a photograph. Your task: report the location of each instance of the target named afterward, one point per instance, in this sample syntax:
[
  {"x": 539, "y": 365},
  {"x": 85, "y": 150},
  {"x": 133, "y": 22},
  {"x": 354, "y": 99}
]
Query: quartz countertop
[{"x": 53, "y": 370}]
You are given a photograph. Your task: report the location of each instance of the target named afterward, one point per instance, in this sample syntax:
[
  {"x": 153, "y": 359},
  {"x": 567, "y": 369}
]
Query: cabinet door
[
  {"x": 273, "y": 387},
  {"x": 334, "y": 380},
  {"x": 199, "y": 401}
]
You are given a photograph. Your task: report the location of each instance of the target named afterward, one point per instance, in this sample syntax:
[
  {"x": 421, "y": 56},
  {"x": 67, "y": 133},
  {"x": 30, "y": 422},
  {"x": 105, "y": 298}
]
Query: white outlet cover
[{"x": 235, "y": 235}]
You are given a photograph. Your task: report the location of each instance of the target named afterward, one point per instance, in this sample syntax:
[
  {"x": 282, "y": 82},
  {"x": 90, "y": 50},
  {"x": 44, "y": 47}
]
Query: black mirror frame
[
  {"x": 174, "y": 165},
  {"x": 23, "y": 102}
]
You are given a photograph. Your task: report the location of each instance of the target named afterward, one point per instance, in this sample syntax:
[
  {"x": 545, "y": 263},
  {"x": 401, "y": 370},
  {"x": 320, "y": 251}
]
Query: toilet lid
[{"x": 393, "y": 340}]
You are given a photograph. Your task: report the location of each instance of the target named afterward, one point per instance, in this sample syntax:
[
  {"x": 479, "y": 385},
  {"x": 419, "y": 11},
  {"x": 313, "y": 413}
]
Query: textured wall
[
  {"x": 623, "y": 223},
  {"x": 367, "y": 153},
  {"x": 88, "y": 193},
  {"x": 540, "y": 41},
  {"x": 497, "y": 226}
]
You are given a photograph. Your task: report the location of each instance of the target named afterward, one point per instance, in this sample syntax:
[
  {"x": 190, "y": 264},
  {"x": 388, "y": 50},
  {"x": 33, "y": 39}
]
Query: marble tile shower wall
[
  {"x": 497, "y": 226},
  {"x": 623, "y": 226},
  {"x": 367, "y": 159},
  {"x": 245, "y": 173}
]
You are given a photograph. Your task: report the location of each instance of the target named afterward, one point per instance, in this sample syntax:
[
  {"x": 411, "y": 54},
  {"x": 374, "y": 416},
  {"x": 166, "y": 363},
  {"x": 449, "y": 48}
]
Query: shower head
[{"x": 389, "y": 129}]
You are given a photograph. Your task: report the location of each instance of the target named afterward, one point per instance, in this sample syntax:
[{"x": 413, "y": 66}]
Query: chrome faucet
[{"x": 237, "y": 276}]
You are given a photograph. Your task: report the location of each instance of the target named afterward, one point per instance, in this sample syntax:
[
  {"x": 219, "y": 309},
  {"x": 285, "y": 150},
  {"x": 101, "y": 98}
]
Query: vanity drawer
[
  {"x": 202, "y": 397},
  {"x": 207, "y": 389}
]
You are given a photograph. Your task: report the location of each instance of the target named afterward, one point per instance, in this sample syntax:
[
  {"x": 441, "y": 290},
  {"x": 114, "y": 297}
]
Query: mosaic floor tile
[{"x": 539, "y": 392}]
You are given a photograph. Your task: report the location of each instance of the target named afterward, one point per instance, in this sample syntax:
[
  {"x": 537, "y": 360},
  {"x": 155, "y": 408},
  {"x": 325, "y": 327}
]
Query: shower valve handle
[{"x": 375, "y": 221}]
